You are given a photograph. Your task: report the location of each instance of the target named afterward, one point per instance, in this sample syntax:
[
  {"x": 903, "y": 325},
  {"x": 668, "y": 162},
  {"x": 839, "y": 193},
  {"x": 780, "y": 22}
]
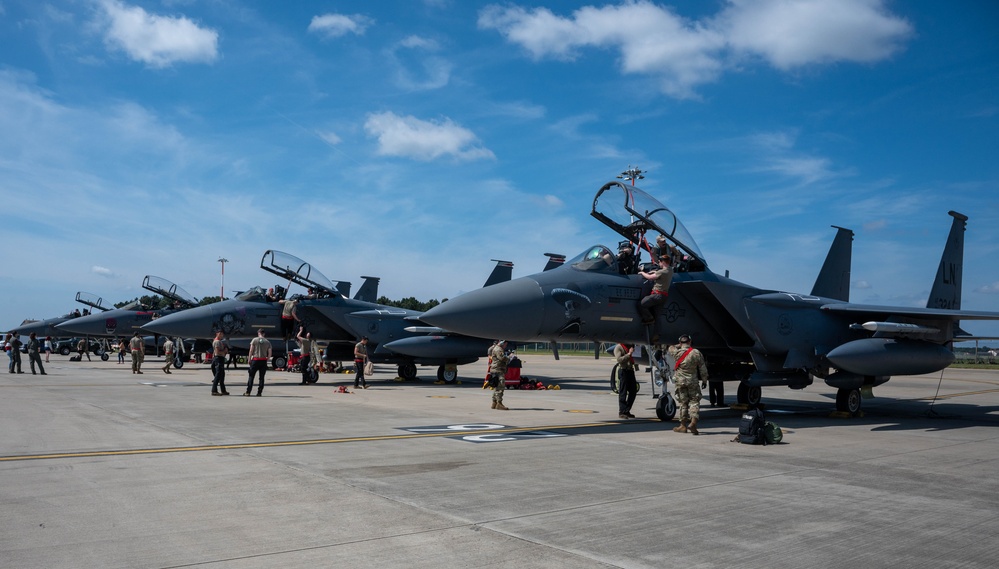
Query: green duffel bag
[{"x": 772, "y": 433}]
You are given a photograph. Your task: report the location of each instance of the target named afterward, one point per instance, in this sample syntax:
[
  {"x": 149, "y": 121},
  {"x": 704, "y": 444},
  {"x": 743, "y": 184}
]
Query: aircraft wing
[{"x": 916, "y": 312}]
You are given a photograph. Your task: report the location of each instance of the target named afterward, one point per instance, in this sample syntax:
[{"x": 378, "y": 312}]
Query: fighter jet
[
  {"x": 47, "y": 327},
  {"x": 395, "y": 335},
  {"x": 126, "y": 320},
  {"x": 754, "y": 336}
]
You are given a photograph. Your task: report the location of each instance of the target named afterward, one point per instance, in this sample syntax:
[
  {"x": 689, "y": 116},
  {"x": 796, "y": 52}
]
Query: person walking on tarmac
[
  {"x": 168, "y": 354},
  {"x": 260, "y": 353},
  {"x": 497, "y": 371},
  {"x": 689, "y": 369},
  {"x": 627, "y": 389}
]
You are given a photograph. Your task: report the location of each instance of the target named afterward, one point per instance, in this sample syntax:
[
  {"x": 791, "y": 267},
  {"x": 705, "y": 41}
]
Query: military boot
[
  {"x": 501, "y": 407},
  {"x": 494, "y": 405},
  {"x": 681, "y": 428},
  {"x": 693, "y": 427}
]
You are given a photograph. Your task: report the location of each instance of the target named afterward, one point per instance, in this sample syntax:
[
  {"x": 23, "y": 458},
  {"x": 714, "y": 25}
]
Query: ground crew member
[
  {"x": 360, "y": 359},
  {"x": 649, "y": 305},
  {"x": 260, "y": 354},
  {"x": 497, "y": 371},
  {"x": 688, "y": 371},
  {"x": 219, "y": 351},
  {"x": 168, "y": 354},
  {"x": 137, "y": 348},
  {"x": 33, "y": 356},
  {"x": 306, "y": 346},
  {"x": 627, "y": 389}
]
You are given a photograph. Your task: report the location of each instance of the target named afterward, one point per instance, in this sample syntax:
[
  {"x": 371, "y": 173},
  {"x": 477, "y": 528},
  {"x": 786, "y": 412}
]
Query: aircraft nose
[
  {"x": 512, "y": 310},
  {"x": 93, "y": 325},
  {"x": 191, "y": 323}
]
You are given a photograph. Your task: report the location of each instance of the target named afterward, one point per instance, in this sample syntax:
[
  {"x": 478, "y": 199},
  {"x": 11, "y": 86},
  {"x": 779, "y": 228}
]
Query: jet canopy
[
  {"x": 299, "y": 272},
  {"x": 632, "y": 213},
  {"x": 167, "y": 289},
  {"x": 91, "y": 300}
]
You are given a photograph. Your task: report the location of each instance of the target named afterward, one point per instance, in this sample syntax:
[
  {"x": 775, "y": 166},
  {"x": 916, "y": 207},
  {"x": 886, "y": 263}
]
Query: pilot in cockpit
[{"x": 627, "y": 263}]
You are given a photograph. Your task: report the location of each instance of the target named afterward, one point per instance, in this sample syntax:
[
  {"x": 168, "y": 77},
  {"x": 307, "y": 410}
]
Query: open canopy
[
  {"x": 640, "y": 218},
  {"x": 167, "y": 289},
  {"x": 297, "y": 271},
  {"x": 91, "y": 300}
]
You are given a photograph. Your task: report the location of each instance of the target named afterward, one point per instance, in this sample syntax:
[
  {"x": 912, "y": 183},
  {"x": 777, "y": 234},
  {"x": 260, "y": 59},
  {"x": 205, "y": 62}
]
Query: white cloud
[
  {"x": 329, "y": 138},
  {"x": 989, "y": 289},
  {"x": 102, "y": 271},
  {"x": 793, "y": 33},
  {"x": 336, "y": 25},
  {"x": 682, "y": 54},
  {"x": 158, "y": 41},
  {"x": 411, "y": 137},
  {"x": 416, "y": 68}
]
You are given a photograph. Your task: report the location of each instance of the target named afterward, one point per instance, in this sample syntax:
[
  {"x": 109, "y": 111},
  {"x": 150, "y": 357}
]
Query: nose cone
[
  {"x": 102, "y": 324},
  {"x": 511, "y": 310},
  {"x": 191, "y": 323}
]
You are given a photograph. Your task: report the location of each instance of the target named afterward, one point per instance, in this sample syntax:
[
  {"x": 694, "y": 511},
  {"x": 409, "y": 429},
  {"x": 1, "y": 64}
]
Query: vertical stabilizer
[
  {"x": 834, "y": 278},
  {"x": 502, "y": 272},
  {"x": 554, "y": 260},
  {"x": 343, "y": 287},
  {"x": 946, "y": 292},
  {"x": 369, "y": 290}
]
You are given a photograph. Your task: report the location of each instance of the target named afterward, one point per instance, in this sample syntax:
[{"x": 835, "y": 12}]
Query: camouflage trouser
[
  {"x": 500, "y": 387},
  {"x": 688, "y": 400}
]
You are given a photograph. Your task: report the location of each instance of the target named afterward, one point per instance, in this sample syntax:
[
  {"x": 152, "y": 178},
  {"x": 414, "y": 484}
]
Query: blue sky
[{"x": 416, "y": 141}]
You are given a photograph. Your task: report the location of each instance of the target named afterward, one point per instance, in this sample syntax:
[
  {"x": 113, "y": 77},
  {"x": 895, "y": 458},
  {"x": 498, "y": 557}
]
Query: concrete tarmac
[{"x": 104, "y": 468}]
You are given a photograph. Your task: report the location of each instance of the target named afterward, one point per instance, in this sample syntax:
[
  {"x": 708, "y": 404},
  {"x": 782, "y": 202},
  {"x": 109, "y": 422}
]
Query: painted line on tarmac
[
  {"x": 238, "y": 446},
  {"x": 953, "y": 395}
]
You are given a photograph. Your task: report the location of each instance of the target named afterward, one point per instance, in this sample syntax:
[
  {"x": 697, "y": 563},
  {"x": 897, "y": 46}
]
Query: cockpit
[
  {"x": 595, "y": 259},
  {"x": 255, "y": 294},
  {"x": 640, "y": 218}
]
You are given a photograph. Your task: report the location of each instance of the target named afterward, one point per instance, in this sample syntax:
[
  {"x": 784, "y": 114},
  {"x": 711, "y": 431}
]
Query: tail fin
[
  {"x": 343, "y": 287},
  {"x": 502, "y": 272},
  {"x": 554, "y": 260},
  {"x": 834, "y": 278},
  {"x": 369, "y": 290},
  {"x": 946, "y": 292}
]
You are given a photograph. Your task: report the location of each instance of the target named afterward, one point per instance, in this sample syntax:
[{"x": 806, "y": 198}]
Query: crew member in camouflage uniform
[
  {"x": 497, "y": 369},
  {"x": 168, "y": 354},
  {"x": 690, "y": 369},
  {"x": 627, "y": 389},
  {"x": 33, "y": 356},
  {"x": 138, "y": 349},
  {"x": 219, "y": 351},
  {"x": 649, "y": 305}
]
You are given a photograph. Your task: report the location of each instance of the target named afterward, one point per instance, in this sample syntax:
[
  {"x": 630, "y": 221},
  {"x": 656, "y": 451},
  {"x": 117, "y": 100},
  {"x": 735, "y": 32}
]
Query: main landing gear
[
  {"x": 749, "y": 395},
  {"x": 848, "y": 401}
]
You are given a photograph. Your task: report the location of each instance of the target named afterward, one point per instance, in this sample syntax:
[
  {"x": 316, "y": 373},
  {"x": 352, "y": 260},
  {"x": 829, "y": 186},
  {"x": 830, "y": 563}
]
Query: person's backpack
[
  {"x": 772, "y": 433},
  {"x": 751, "y": 430}
]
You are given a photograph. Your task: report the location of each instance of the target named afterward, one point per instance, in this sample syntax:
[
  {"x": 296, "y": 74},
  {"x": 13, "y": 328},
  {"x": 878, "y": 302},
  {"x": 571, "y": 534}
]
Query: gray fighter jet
[
  {"x": 757, "y": 337},
  {"x": 126, "y": 320},
  {"x": 395, "y": 335},
  {"x": 47, "y": 327}
]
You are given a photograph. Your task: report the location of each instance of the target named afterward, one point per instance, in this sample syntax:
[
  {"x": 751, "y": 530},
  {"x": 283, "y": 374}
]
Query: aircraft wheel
[
  {"x": 407, "y": 371},
  {"x": 446, "y": 376},
  {"x": 848, "y": 400},
  {"x": 613, "y": 378},
  {"x": 64, "y": 351},
  {"x": 742, "y": 394},
  {"x": 178, "y": 363},
  {"x": 279, "y": 362},
  {"x": 313, "y": 375},
  {"x": 105, "y": 357},
  {"x": 754, "y": 395},
  {"x": 666, "y": 407}
]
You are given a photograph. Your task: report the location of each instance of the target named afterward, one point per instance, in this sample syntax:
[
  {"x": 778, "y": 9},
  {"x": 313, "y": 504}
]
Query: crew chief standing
[
  {"x": 260, "y": 353},
  {"x": 689, "y": 368}
]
